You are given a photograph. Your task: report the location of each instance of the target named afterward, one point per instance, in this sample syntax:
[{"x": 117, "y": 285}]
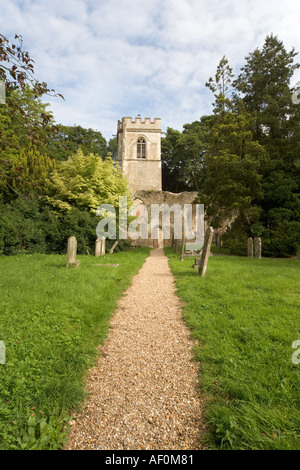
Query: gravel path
[{"x": 143, "y": 388}]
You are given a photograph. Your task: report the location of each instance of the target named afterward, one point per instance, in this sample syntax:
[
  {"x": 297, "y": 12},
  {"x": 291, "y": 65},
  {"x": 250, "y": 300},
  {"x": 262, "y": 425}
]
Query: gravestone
[
  {"x": 113, "y": 247},
  {"x": 250, "y": 247},
  {"x": 103, "y": 245},
  {"x": 257, "y": 248},
  {"x": 205, "y": 251},
  {"x": 72, "y": 252},
  {"x": 98, "y": 244}
]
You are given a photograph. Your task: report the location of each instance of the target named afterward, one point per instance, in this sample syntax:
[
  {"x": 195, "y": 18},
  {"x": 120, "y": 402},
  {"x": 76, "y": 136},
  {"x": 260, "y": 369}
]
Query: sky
[{"x": 116, "y": 58}]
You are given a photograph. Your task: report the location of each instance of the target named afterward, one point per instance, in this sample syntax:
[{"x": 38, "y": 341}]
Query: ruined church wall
[{"x": 161, "y": 197}]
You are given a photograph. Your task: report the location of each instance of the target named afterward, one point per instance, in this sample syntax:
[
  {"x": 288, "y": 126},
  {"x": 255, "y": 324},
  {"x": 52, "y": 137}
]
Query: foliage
[
  {"x": 220, "y": 86},
  {"x": 17, "y": 67},
  {"x": 112, "y": 148},
  {"x": 25, "y": 128},
  {"x": 232, "y": 163},
  {"x": 27, "y": 225},
  {"x": 29, "y": 174},
  {"x": 264, "y": 84},
  {"x": 86, "y": 182},
  {"x": 69, "y": 139},
  {"x": 183, "y": 157}
]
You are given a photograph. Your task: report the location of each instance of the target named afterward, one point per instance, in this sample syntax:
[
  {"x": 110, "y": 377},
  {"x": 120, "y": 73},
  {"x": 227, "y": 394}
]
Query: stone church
[{"x": 139, "y": 156}]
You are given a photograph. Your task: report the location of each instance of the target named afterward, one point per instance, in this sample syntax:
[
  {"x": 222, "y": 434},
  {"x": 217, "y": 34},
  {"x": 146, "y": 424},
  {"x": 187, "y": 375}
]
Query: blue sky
[{"x": 115, "y": 58}]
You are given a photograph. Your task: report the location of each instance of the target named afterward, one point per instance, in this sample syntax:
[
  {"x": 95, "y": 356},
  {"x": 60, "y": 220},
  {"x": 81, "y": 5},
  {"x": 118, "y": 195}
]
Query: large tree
[
  {"x": 85, "y": 182},
  {"x": 25, "y": 120},
  {"x": 17, "y": 67},
  {"x": 232, "y": 159},
  {"x": 183, "y": 156},
  {"x": 264, "y": 84},
  {"x": 69, "y": 139},
  {"x": 221, "y": 87}
]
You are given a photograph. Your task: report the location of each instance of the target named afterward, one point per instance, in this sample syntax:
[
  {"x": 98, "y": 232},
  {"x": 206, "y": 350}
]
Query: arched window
[{"x": 141, "y": 148}]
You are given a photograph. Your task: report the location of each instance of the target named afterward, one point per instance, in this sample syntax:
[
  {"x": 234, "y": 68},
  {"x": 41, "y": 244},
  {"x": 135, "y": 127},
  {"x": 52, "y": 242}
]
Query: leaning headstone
[
  {"x": 113, "y": 247},
  {"x": 72, "y": 252},
  {"x": 250, "y": 247},
  {"x": 205, "y": 251},
  {"x": 257, "y": 248}
]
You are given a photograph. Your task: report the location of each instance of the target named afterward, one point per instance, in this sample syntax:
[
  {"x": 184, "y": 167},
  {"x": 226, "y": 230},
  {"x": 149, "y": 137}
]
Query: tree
[
  {"x": 264, "y": 85},
  {"x": 112, "y": 148},
  {"x": 17, "y": 68},
  {"x": 232, "y": 159},
  {"x": 232, "y": 163},
  {"x": 30, "y": 173},
  {"x": 69, "y": 139},
  {"x": 220, "y": 86},
  {"x": 25, "y": 128},
  {"x": 183, "y": 155},
  {"x": 85, "y": 182},
  {"x": 24, "y": 120}
]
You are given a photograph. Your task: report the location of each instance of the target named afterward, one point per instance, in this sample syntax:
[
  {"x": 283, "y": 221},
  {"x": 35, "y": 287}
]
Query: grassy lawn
[
  {"x": 245, "y": 315},
  {"x": 51, "y": 320}
]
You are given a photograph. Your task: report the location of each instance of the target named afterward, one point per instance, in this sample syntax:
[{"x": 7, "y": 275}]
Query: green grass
[
  {"x": 51, "y": 320},
  {"x": 245, "y": 316}
]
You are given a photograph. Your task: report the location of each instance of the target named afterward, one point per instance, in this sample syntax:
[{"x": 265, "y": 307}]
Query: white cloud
[{"x": 112, "y": 58}]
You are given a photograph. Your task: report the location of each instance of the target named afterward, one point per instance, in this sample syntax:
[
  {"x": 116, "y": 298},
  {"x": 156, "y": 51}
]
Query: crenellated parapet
[{"x": 137, "y": 124}]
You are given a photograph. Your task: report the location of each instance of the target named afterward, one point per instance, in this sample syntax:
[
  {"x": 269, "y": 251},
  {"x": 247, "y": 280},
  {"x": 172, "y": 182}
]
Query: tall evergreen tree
[
  {"x": 233, "y": 158},
  {"x": 264, "y": 85}
]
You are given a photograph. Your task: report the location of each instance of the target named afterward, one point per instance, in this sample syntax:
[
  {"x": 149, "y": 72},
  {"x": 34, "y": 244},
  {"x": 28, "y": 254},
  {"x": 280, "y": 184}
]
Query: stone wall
[{"x": 147, "y": 198}]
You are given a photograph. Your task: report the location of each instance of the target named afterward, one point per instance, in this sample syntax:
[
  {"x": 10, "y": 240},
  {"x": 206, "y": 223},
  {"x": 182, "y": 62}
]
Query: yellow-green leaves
[{"x": 86, "y": 182}]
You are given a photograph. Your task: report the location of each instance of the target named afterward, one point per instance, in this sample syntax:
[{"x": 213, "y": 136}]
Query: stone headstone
[
  {"x": 113, "y": 247},
  {"x": 103, "y": 244},
  {"x": 98, "y": 246},
  {"x": 205, "y": 251},
  {"x": 257, "y": 248},
  {"x": 72, "y": 252},
  {"x": 250, "y": 247}
]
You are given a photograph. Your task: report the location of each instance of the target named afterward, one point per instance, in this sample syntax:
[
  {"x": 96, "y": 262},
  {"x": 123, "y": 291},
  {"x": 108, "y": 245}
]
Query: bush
[
  {"x": 283, "y": 241},
  {"x": 236, "y": 247},
  {"x": 27, "y": 225}
]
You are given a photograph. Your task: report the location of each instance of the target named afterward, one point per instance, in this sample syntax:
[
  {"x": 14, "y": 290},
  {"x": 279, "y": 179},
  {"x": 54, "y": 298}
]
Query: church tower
[{"x": 139, "y": 153}]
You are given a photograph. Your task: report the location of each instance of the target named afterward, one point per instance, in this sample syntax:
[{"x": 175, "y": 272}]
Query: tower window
[{"x": 141, "y": 148}]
